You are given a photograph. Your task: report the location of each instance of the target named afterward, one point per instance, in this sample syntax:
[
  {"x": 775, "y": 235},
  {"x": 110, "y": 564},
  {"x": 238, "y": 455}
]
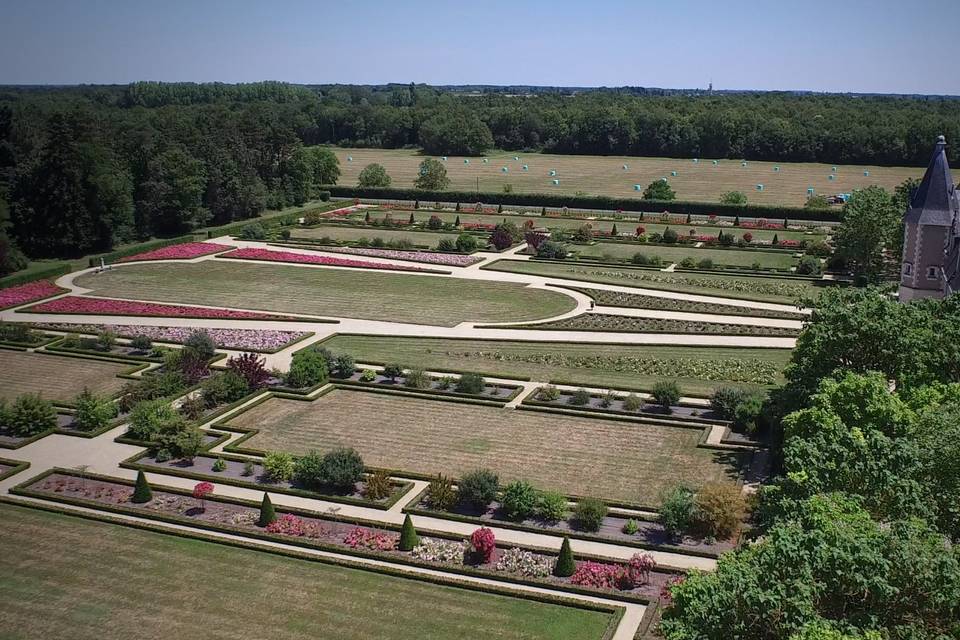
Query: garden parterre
[
  {"x": 242, "y": 339},
  {"x": 642, "y": 301},
  {"x": 82, "y": 305},
  {"x": 629, "y": 324},
  {"x": 57, "y": 378}
]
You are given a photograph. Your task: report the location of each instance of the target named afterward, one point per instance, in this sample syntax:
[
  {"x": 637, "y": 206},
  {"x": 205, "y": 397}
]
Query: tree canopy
[{"x": 432, "y": 176}]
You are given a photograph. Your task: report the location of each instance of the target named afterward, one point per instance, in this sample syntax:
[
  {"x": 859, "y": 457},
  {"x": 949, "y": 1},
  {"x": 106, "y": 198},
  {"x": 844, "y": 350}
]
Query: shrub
[
  {"x": 565, "y": 565},
  {"x": 666, "y": 393},
  {"x": 201, "y": 491},
  {"x": 466, "y": 243},
  {"x": 551, "y": 506},
  {"x": 267, "y": 514},
  {"x": 820, "y": 249},
  {"x": 253, "y": 231},
  {"x": 435, "y": 223},
  {"x": 307, "y": 369},
  {"x": 633, "y": 402},
  {"x": 200, "y": 344},
  {"x": 219, "y": 465},
  {"x": 548, "y": 393},
  {"x": 93, "y": 411},
  {"x": 636, "y": 572},
  {"x": 141, "y": 343},
  {"x": 447, "y": 245},
  {"x": 676, "y": 510},
  {"x": 706, "y": 263},
  {"x": 670, "y": 236},
  {"x": 749, "y": 414},
  {"x": 688, "y": 263},
  {"x": 248, "y": 468},
  {"x": 608, "y": 399},
  {"x": 478, "y": 488},
  {"x": 141, "y": 490},
  {"x": 501, "y": 239},
  {"x": 483, "y": 545},
  {"x": 249, "y": 367},
  {"x": 417, "y": 379},
  {"x": 718, "y": 509},
  {"x": 441, "y": 494},
  {"x": 434, "y": 550},
  {"x": 725, "y": 400},
  {"x": 287, "y": 525},
  {"x": 344, "y": 366},
  {"x": 519, "y": 500},
  {"x": 150, "y": 387},
  {"x": 471, "y": 383},
  {"x": 408, "y": 535},
  {"x": 552, "y": 250},
  {"x": 377, "y": 485},
  {"x": 747, "y": 237},
  {"x": 149, "y": 417},
  {"x": 630, "y": 527},
  {"x": 193, "y": 407},
  {"x": 393, "y": 371},
  {"x": 106, "y": 340},
  {"x": 340, "y": 469},
  {"x": 446, "y": 382},
  {"x": 368, "y": 375},
  {"x": 589, "y": 513},
  {"x": 223, "y": 388},
  {"x": 179, "y": 440},
  {"x": 809, "y": 265},
  {"x": 323, "y": 195},
  {"x": 580, "y": 397},
  {"x": 278, "y": 466}
]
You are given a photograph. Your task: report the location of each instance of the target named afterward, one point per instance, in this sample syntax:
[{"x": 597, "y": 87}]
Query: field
[
  {"x": 608, "y": 459},
  {"x": 604, "y": 175},
  {"x": 421, "y": 299},
  {"x": 721, "y": 257},
  {"x": 57, "y": 378},
  {"x": 698, "y": 370},
  {"x": 63, "y": 577},
  {"x": 745, "y": 287},
  {"x": 625, "y": 225},
  {"x": 340, "y": 232}
]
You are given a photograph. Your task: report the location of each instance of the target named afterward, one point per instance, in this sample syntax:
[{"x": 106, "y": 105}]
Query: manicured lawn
[
  {"x": 63, "y": 577},
  {"x": 609, "y": 459},
  {"x": 604, "y": 175},
  {"x": 340, "y": 232},
  {"x": 57, "y": 378},
  {"x": 421, "y": 299},
  {"x": 698, "y": 370},
  {"x": 721, "y": 257},
  {"x": 744, "y": 287}
]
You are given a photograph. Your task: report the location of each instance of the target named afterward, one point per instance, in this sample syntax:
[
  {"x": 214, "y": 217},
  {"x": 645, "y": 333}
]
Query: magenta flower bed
[
  {"x": 183, "y": 251},
  {"x": 243, "y": 339},
  {"x": 445, "y": 259},
  {"x": 103, "y": 306},
  {"x": 29, "y": 292},
  {"x": 301, "y": 258}
]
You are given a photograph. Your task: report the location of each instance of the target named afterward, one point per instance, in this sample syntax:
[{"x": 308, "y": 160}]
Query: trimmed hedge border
[
  {"x": 17, "y": 467},
  {"x": 640, "y": 415},
  {"x": 55, "y": 271},
  {"x": 108, "y": 258},
  {"x": 23, "y": 489},
  {"x": 433, "y": 392},
  {"x": 588, "y": 202},
  {"x": 53, "y": 507}
]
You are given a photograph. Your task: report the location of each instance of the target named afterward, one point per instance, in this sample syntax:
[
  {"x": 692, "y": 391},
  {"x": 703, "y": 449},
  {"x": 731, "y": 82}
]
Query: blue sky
[{"x": 902, "y": 46}]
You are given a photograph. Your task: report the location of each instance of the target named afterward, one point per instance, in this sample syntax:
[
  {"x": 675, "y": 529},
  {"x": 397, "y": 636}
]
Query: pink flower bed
[
  {"x": 479, "y": 226},
  {"x": 24, "y": 293},
  {"x": 103, "y": 306},
  {"x": 445, "y": 259},
  {"x": 183, "y": 251},
  {"x": 249, "y": 253},
  {"x": 243, "y": 339}
]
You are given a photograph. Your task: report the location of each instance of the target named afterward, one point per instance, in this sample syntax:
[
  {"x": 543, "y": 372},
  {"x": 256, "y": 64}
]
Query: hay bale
[
  {"x": 466, "y": 161},
  {"x": 444, "y": 158},
  {"x": 625, "y": 167},
  {"x": 833, "y": 169},
  {"x": 776, "y": 169},
  {"x": 517, "y": 158},
  {"x": 526, "y": 168},
  {"x": 673, "y": 173},
  {"x": 810, "y": 191},
  {"x": 831, "y": 177},
  {"x": 638, "y": 187},
  {"x": 664, "y": 179},
  {"x": 555, "y": 181},
  {"x": 552, "y": 172},
  {"x": 486, "y": 160},
  {"x": 696, "y": 161},
  {"x": 759, "y": 187},
  {"x": 866, "y": 174},
  {"x": 504, "y": 169},
  {"x": 716, "y": 162},
  {"x": 349, "y": 158},
  {"x": 743, "y": 164}
]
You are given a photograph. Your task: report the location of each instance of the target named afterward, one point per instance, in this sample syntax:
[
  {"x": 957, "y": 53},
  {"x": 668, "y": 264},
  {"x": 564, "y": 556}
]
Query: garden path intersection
[{"x": 102, "y": 455}]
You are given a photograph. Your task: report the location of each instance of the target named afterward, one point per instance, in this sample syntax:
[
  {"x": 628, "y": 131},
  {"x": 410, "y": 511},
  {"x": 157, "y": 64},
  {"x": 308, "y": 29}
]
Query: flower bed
[
  {"x": 430, "y": 257},
  {"x": 617, "y": 403},
  {"x": 643, "y": 301},
  {"x": 183, "y": 251},
  {"x": 30, "y": 292},
  {"x": 249, "y": 253},
  {"x": 80, "y": 305},
  {"x": 266, "y": 340},
  {"x": 630, "y": 324}
]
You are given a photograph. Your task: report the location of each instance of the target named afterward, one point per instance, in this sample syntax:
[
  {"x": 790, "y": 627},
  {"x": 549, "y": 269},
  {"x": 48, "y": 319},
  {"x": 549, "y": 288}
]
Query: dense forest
[{"x": 84, "y": 168}]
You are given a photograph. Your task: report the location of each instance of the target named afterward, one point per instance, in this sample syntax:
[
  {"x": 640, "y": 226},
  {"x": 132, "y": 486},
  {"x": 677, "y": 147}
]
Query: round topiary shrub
[
  {"x": 478, "y": 489},
  {"x": 519, "y": 500}
]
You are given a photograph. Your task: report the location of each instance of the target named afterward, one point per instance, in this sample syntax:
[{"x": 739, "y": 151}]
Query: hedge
[
  {"x": 592, "y": 202},
  {"x": 15, "y": 279},
  {"x": 132, "y": 250}
]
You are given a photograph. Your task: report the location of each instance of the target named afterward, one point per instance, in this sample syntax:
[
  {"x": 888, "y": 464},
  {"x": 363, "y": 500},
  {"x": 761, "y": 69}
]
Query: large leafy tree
[
  {"x": 870, "y": 225},
  {"x": 455, "y": 132},
  {"x": 171, "y": 196},
  {"x": 374, "y": 175},
  {"x": 11, "y": 259},
  {"x": 432, "y": 176},
  {"x": 659, "y": 190}
]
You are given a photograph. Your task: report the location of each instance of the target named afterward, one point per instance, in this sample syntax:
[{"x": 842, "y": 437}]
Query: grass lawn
[
  {"x": 64, "y": 577},
  {"x": 626, "y": 225},
  {"x": 609, "y": 459},
  {"x": 57, "y": 378},
  {"x": 698, "y": 370},
  {"x": 422, "y": 299},
  {"x": 604, "y": 175},
  {"x": 721, "y": 257},
  {"x": 744, "y": 287},
  {"x": 339, "y": 232}
]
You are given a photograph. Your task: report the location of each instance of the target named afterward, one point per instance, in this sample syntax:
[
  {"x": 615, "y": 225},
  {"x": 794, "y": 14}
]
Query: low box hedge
[
  {"x": 17, "y": 467},
  {"x": 25, "y": 276}
]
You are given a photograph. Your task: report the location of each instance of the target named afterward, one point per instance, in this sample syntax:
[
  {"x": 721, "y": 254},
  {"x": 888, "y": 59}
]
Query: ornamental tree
[
  {"x": 519, "y": 500},
  {"x": 30, "y": 414},
  {"x": 267, "y": 513},
  {"x": 565, "y": 565},
  {"x": 483, "y": 545},
  {"x": 373, "y": 175},
  {"x": 659, "y": 190},
  {"x": 141, "y": 490},
  {"x": 250, "y": 367},
  {"x": 432, "y": 176},
  {"x": 93, "y": 411},
  {"x": 871, "y": 223},
  {"x": 408, "y": 535},
  {"x": 201, "y": 491}
]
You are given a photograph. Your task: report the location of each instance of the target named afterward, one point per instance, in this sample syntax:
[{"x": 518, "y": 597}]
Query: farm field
[
  {"x": 721, "y": 257},
  {"x": 626, "y": 224},
  {"x": 57, "y": 378},
  {"x": 420, "y": 299},
  {"x": 745, "y": 287},
  {"x": 73, "y": 578},
  {"x": 604, "y": 175},
  {"x": 340, "y": 232},
  {"x": 609, "y": 459},
  {"x": 698, "y": 370}
]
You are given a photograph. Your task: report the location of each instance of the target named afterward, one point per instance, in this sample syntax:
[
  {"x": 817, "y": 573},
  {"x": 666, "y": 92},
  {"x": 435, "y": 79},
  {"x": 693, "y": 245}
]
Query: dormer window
[{"x": 933, "y": 273}]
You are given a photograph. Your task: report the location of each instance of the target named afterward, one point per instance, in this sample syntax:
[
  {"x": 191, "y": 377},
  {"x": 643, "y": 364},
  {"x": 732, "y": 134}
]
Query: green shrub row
[
  {"x": 113, "y": 256},
  {"x": 54, "y": 271}
]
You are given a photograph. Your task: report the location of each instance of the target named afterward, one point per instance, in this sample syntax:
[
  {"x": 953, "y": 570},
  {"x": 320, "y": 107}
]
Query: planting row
[
  {"x": 264, "y": 340},
  {"x": 665, "y": 396},
  {"x": 784, "y": 289},
  {"x": 395, "y": 375},
  {"x": 184, "y": 251},
  {"x": 303, "y": 258},
  {"x": 430, "y": 257},
  {"x": 82, "y": 305},
  {"x": 640, "y": 301},
  {"x": 30, "y": 416},
  {"x": 630, "y": 324},
  {"x": 29, "y": 292}
]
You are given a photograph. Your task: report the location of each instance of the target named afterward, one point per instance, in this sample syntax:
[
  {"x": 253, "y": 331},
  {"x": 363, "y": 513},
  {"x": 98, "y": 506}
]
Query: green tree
[
  {"x": 455, "y": 132},
  {"x": 141, "y": 490},
  {"x": 373, "y": 175},
  {"x": 478, "y": 488},
  {"x": 432, "y": 176},
  {"x": 565, "y": 565},
  {"x": 324, "y": 168},
  {"x": 267, "y": 512},
  {"x": 408, "y": 535},
  {"x": 170, "y": 198},
  {"x": 733, "y": 197},
  {"x": 30, "y": 414},
  {"x": 870, "y": 224},
  {"x": 659, "y": 190}
]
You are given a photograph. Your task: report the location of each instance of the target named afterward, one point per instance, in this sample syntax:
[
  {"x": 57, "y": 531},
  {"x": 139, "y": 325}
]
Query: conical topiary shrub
[
  {"x": 565, "y": 565},
  {"x": 267, "y": 514},
  {"x": 408, "y": 535},
  {"x": 141, "y": 490}
]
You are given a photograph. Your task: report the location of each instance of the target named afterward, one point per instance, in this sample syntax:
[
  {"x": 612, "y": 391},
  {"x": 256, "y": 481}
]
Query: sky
[{"x": 885, "y": 46}]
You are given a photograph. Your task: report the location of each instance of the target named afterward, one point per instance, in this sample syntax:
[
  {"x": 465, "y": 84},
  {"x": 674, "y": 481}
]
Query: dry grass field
[
  {"x": 421, "y": 299},
  {"x": 64, "y": 577},
  {"x": 609, "y": 459},
  {"x": 604, "y": 175},
  {"x": 57, "y": 378}
]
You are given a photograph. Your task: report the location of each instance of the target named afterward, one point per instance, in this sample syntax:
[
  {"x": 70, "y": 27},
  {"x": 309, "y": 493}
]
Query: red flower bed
[
  {"x": 301, "y": 258},
  {"x": 789, "y": 244},
  {"x": 24, "y": 293},
  {"x": 479, "y": 226},
  {"x": 102, "y": 306},
  {"x": 183, "y": 251}
]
